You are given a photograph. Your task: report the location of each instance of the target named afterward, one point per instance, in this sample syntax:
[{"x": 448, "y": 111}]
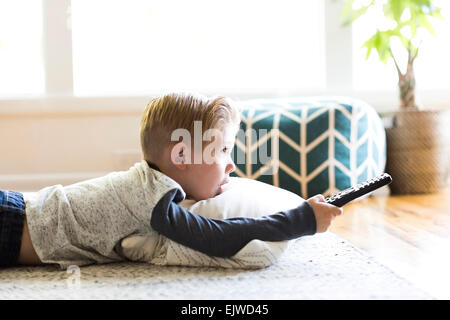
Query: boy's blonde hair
[{"x": 174, "y": 111}]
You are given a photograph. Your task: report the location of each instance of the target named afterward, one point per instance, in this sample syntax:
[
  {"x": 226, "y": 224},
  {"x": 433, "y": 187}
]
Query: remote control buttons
[{"x": 358, "y": 190}]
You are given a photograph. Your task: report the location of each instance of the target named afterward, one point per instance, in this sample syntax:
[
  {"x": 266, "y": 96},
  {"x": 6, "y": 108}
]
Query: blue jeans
[{"x": 12, "y": 217}]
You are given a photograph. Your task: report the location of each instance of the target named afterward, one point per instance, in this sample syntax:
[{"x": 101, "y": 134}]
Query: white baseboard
[
  {"x": 34, "y": 182},
  {"x": 123, "y": 159}
]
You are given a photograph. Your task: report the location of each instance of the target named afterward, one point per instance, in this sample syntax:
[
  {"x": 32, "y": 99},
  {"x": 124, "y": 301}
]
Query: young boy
[{"x": 84, "y": 223}]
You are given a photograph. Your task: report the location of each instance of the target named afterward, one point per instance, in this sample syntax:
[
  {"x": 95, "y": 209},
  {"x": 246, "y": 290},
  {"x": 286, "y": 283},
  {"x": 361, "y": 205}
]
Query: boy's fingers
[{"x": 320, "y": 197}]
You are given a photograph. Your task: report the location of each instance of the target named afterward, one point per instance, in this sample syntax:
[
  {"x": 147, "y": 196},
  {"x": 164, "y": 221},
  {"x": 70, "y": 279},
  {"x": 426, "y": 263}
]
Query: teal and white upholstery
[{"x": 310, "y": 145}]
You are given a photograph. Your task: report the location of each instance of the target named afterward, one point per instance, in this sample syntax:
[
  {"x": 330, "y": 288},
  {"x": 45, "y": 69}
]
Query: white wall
[{"x": 42, "y": 148}]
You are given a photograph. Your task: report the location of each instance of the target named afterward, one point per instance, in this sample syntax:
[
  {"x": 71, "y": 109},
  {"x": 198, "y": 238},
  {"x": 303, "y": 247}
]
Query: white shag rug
[{"x": 323, "y": 266}]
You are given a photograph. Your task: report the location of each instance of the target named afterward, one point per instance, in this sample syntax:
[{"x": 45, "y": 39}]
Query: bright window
[
  {"x": 431, "y": 66},
  {"x": 141, "y": 47},
  {"x": 21, "y": 59}
]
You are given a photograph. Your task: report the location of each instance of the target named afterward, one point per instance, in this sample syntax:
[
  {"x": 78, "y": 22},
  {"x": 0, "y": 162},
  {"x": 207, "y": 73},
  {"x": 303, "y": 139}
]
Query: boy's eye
[{"x": 227, "y": 149}]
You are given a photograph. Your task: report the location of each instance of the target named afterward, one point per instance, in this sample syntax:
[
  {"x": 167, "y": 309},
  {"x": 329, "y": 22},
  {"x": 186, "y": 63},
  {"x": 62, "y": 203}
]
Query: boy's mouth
[
  {"x": 222, "y": 185},
  {"x": 224, "y": 182}
]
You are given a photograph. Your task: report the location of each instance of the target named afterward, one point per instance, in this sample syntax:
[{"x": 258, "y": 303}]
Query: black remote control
[{"x": 359, "y": 190}]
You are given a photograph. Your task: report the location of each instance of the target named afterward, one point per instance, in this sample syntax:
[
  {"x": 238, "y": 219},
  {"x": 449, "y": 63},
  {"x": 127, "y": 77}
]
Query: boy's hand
[{"x": 324, "y": 212}]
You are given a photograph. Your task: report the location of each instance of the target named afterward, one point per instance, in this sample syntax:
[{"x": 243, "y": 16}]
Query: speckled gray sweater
[{"x": 82, "y": 223}]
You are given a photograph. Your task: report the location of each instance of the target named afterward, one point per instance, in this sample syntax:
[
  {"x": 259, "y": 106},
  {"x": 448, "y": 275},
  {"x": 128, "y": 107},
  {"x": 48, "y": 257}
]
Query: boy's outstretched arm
[{"x": 224, "y": 238}]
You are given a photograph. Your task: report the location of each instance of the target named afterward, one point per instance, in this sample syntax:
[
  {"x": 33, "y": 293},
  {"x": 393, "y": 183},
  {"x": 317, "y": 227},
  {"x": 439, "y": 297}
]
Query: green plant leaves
[
  {"x": 380, "y": 42},
  {"x": 394, "y": 9},
  {"x": 349, "y": 14},
  {"x": 408, "y": 16}
]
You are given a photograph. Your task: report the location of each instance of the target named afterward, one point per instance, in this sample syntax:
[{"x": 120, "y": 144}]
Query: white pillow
[{"x": 242, "y": 197}]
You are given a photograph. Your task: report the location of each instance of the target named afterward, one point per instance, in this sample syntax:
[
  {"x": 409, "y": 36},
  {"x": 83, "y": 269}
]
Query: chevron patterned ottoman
[{"x": 310, "y": 145}]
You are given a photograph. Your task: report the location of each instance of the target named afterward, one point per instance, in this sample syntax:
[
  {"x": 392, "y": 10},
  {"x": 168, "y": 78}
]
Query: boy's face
[{"x": 206, "y": 179}]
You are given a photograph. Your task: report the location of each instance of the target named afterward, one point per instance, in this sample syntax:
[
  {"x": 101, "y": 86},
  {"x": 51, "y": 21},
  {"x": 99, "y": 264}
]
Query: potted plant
[{"x": 418, "y": 143}]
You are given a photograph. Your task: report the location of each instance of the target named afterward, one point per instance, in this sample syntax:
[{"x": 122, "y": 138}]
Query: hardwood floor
[{"x": 410, "y": 234}]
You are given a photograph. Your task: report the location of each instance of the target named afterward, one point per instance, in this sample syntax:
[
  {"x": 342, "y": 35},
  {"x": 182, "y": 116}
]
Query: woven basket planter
[{"x": 418, "y": 151}]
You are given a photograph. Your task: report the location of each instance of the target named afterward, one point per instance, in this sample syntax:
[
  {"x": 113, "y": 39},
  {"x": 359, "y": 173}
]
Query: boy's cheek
[
  {"x": 209, "y": 159},
  {"x": 209, "y": 155}
]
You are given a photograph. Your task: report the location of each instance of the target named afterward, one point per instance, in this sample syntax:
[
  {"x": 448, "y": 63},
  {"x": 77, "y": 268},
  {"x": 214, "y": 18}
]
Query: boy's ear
[{"x": 179, "y": 155}]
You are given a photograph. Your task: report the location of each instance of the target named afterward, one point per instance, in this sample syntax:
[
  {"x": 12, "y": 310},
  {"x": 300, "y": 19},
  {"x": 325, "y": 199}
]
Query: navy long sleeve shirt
[{"x": 224, "y": 238}]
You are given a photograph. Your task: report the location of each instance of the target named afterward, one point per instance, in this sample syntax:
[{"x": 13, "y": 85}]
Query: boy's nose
[{"x": 230, "y": 168}]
